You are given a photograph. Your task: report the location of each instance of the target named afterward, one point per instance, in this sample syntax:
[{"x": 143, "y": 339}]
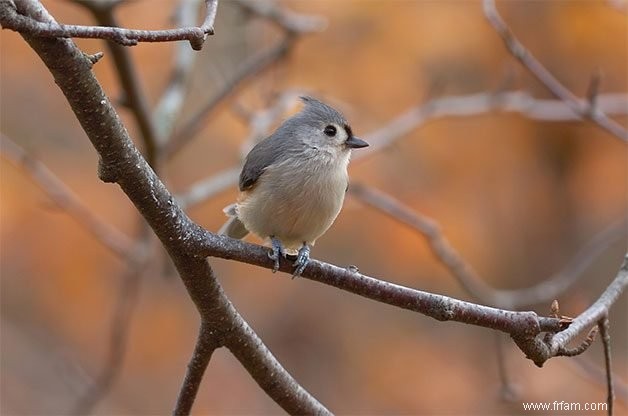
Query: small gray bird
[{"x": 293, "y": 182}]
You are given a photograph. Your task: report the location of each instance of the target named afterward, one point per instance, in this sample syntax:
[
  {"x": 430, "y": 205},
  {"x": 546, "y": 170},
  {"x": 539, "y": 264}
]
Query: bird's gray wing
[{"x": 264, "y": 154}]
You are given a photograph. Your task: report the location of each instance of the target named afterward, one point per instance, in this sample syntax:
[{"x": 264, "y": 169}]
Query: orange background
[{"x": 516, "y": 197}]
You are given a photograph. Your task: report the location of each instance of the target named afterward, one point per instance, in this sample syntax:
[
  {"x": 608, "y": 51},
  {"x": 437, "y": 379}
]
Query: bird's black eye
[{"x": 330, "y": 130}]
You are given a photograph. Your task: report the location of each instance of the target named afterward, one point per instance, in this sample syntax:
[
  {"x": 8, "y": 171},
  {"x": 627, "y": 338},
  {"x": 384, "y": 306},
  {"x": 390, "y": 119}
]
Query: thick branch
[
  {"x": 121, "y": 162},
  {"x": 134, "y": 96},
  {"x": 442, "y": 308},
  {"x": 20, "y": 22}
]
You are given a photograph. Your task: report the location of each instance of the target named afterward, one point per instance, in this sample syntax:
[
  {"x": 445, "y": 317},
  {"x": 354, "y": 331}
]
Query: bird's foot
[
  {"x": 276, "y": 253},
  {"x": 303, "y": 258}
]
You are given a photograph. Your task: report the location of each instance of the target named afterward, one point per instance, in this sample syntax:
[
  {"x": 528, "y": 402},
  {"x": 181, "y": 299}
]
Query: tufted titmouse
[{"x": 293, "y": 182}]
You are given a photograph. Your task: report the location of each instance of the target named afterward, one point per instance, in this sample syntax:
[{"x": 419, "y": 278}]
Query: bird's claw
[
  {"x": 276, "y": 252},
  {"x": 303, "y": 258}
]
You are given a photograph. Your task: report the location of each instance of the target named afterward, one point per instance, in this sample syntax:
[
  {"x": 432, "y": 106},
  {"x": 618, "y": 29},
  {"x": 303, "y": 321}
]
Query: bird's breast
[{"x": 296, "y": 203}]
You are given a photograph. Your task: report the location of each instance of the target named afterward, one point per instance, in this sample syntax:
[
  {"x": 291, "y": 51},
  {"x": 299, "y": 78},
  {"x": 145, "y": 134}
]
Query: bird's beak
[{"x": 355, "y": 143}]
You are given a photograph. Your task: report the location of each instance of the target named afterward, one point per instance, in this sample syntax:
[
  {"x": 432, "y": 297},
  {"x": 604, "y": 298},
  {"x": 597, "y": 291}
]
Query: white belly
[{"x": 296, "y": 208}]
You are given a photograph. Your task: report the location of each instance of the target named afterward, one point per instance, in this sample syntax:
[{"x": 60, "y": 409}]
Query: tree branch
[
  {"x": 134, "y": 95},
  {"x": 480, "y": 103},
  {"x": 253, "y": 66},
  {"x": 16, "y": 20},
  {"x": 126, "y": 301},
  {"x": 584, "y": 108},
  {"x": 544, "y": 291},
  {"x": 604, "y": 328},
  {"x": 452, "y": 106},
  {"x": 172, "y": 98},
  {"x": 121, "y": 162},
  {"x": 114, "y": 240},
  {"x": 205, "y": 347},
  {"x": 294, "y": 25}
]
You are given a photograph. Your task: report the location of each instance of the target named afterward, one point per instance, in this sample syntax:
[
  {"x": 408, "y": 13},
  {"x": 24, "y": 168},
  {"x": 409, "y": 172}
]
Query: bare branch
[
  {"x": 439, "y": 307},
  {"x": 508, "y": 299},
  {"x": 583, "y": 108},
  {"x": 172, "y": 99},
  {"x": 294, "y": 26},
  {"x": 596, "y": 374},
  {"x": 203, "y": 350},
  {"x": 207, "y": 188},
  {"x": 127, "y": 75},
  {"x": 17, "y": 20},
  {"x": 287, "y": 20},
  {"x": 480, "y": 103},
  {"x": 604, "y": 327},
  {"x": 508, "y": 391},
  {"x": 584, "y": 345},
  {"x": 454, "y": 106},
  {"x": 120, "y": 161},
  {"x": 126, "y": 301},
  {"x": 596, "y": 311},
  {"x": 114, "y": 240},
  {"x": 260, "y": 123},
  {"x": 253, "y": 66}
]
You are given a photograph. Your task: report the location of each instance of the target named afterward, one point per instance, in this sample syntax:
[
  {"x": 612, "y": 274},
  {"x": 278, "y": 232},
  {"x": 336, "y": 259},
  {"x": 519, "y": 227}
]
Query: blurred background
[{"x": 516, "y": 197}]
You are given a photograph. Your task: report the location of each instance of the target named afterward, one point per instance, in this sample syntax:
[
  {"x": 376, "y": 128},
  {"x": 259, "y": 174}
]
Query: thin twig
[
  {"x": 604, "y": 327},
  {"x": 287, "y": 20},
  {"x": 508, "y": 391},
  {"x": 126, "y": 301},
  {"x": 596, "y": 374},
  {"x": 259, "y": 123},
  {"x": 250, "y": 68},
  {"x": 583, "y": 108},
  {"x": 172, "y": 99},
  {"x": 208, "y": 188},
  {"x": 582, "y": 347},
  {"x": 14, "y": 19},
  {"x": 594, "y": 313},
  {"x": 114, "y": 240},
  {"x": 294, "y": 25}
]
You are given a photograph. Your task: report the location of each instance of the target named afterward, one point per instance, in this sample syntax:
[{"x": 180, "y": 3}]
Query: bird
[{"x": 293, "y": 183}]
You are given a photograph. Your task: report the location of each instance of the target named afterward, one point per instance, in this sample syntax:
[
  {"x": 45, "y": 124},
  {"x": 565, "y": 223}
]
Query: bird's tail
[{"x": 233, "y": 227}]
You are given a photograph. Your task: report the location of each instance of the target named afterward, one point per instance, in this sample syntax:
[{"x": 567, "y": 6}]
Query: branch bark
[
  {"x": 15, "y": 20},
  {"x": 122, "y": 163}
]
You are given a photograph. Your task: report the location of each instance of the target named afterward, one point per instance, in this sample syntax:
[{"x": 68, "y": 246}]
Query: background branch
[
  {"x": 584, "y": 108},
  {"x": 114, "y": 240}
]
